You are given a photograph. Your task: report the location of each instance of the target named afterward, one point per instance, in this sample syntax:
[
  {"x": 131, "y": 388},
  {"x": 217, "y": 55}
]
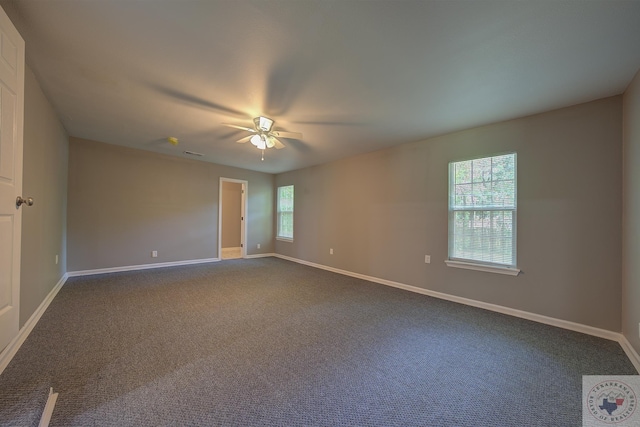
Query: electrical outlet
[
  {"x": 258, "y": 245},
  {"x": 330, "y": 251},
  {"x": 427, "y": 259},
  {"x": 56, "y": 259},
  {"x": 154, "y": 254}
]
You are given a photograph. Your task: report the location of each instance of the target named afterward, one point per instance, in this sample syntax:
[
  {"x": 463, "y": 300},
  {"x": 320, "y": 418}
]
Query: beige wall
[
  {"x": 45, "y": 179},
  {"x": 631, "y": 214},
  {"x": 231, "y": 214},
  {"x": 384, "y": 211},
  {"x": 381, "y": 212},
  {"x": 124, "y": 203}
]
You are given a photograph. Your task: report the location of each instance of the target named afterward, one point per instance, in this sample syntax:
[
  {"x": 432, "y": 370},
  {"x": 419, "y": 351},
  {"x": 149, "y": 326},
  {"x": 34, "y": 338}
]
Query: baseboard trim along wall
[
  {"x": 261, "y": 255},
  {"x": 565, "y": 324},
  {"x": 631, "y": 352},
  {"x": 12, "y": 348},
  {"x": 140, "y": 267}
]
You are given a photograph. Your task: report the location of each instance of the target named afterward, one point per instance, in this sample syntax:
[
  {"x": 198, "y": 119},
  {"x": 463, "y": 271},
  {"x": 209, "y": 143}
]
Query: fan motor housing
[{"x": 263, "y": 123}]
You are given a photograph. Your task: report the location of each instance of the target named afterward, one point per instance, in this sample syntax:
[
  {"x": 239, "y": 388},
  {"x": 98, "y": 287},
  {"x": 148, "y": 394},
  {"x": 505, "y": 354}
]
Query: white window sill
[
  {"x": 483, "y": 267},
  {"x": 284, "y": 239}
]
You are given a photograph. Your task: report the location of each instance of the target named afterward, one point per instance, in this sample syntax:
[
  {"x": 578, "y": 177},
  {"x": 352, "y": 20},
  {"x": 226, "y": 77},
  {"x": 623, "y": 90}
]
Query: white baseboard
[
  {"x": 261, "y": 255},
  {"x": 12, "y": 348},
  {"x": 140, "y": 267},
  {"x": 631, "y": 352},
  {"x": 565, "y": 324}
]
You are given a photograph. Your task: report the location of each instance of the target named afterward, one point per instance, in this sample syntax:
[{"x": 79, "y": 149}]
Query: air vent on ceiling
[{"x": 193, "y": 153}]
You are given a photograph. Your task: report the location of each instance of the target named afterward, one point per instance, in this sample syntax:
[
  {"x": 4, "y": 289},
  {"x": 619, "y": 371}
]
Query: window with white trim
[
  {"x": 482, "y": 211},
  {"x": 285, "y": 212}
]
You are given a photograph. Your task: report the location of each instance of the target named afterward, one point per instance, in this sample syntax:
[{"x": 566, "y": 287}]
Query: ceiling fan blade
[
  {"x": 196, "y": 101},
  {"x": 277, "y": 143},
  {"x": 239, "y": 127},
  {"x": 245, "y": 139},
  {"x": 292, "y": 135}
]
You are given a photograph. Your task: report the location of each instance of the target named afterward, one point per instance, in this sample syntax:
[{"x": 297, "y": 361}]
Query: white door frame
[{"x": 243, "y": 213}]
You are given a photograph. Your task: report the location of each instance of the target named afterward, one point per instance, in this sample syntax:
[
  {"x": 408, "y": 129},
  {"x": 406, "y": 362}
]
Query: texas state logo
[{"x": 610, "y": 401}]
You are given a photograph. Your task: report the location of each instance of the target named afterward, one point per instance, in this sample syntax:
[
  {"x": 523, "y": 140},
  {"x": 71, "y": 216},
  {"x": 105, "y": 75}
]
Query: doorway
[{"x": 232, "y": 224}]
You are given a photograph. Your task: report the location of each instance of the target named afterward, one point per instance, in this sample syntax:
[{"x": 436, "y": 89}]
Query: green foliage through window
[
  {"x": 285, "y": 212},
  {"x": 482, "y": 210}
]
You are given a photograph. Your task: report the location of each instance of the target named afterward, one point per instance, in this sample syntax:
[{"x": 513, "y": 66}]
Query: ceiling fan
[{"x": 264, "y": 136}]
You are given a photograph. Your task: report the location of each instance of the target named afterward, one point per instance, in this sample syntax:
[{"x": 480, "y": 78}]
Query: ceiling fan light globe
[
  {"x": 263, "y": 142},
  {"x": 256, "y": 140}
]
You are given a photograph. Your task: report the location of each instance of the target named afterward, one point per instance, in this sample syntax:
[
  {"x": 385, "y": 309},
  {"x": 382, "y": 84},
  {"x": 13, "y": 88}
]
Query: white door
[{"x": 11, "y": 116}]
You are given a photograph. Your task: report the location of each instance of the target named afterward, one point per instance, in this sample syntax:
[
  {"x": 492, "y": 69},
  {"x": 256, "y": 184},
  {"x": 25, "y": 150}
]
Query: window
[
  {"x": 285, "y": 212},
  {"x": 482, "y": 213}
]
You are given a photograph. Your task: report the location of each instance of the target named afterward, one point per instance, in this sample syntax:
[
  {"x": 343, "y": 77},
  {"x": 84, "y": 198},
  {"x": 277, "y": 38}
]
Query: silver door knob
[{"x": 20, "y": 201}]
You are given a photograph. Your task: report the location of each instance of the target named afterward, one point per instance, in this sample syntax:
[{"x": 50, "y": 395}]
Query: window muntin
[
  {"x": 482, "y": 210},
  {"x": 285, "y": 212}
]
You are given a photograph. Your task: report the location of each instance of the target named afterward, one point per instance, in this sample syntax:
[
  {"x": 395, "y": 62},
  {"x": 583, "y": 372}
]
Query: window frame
[
  {"x": 279, "y": 213},
  {"x": 476, "y": 264}
]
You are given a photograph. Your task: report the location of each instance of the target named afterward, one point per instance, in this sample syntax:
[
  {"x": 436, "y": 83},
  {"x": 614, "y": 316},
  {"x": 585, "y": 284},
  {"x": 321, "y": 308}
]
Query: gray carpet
[{"x": 267, "y": 342}]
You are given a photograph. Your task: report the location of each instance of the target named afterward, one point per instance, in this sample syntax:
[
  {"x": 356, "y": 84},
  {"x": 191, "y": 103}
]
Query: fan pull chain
[{"x": 262, "y": 155}]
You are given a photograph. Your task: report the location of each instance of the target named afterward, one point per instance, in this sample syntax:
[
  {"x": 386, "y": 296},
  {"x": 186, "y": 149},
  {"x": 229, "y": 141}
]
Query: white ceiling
[{"x": 352, "y": 76}]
